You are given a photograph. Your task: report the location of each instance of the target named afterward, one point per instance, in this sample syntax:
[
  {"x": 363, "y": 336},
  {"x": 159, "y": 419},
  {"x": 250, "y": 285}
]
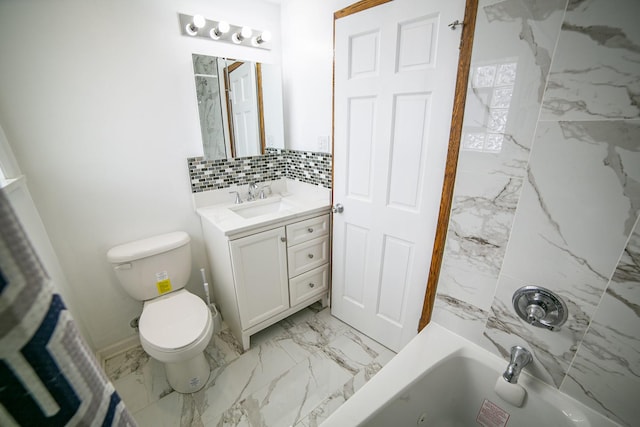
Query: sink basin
[{"x": 260, "y": 207}]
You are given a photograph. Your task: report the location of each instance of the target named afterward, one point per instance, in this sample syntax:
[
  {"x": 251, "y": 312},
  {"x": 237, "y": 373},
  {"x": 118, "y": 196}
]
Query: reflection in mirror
[{"x": 240, "y": 106}]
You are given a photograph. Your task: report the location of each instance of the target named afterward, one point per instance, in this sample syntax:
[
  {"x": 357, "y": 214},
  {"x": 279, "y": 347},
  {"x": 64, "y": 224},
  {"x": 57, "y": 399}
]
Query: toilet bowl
[
  {"x": 175, "y": 329},
  {"x": 175, "y": 325}
]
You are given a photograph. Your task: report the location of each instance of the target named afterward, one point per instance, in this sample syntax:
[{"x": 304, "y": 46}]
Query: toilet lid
[{"x": 174, "y": 321}]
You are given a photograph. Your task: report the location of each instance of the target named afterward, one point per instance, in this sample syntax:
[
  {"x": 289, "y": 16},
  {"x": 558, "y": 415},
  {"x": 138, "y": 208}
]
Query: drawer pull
[
  {"x": 283, "y": 239},
  {"x": 310, "y": 230},
  {"x": 310, "y": 256},
  {"x": 311, "y": 285}
]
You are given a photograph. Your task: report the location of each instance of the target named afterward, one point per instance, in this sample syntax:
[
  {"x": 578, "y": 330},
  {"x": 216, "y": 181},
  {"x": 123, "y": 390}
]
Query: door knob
[{"x": 338, "y": 208}]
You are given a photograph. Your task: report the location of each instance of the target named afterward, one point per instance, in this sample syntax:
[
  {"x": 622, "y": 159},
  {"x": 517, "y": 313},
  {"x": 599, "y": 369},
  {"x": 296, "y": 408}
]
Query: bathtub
[{"x": 443, "y": 380}]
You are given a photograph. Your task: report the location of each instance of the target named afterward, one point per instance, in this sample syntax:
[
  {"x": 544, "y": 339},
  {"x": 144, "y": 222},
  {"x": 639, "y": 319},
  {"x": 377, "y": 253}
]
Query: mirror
[{"x": 240, "y": 106}]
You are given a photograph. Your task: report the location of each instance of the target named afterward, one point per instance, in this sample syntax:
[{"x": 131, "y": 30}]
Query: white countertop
[{"x": 301, "y": 200}]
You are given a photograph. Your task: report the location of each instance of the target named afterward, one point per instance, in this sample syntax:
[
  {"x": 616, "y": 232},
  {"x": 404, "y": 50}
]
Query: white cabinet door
[{"x": 260, "y": 272}]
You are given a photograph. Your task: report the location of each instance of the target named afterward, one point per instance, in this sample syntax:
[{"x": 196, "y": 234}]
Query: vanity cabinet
[{"x": 264, "y": 275}]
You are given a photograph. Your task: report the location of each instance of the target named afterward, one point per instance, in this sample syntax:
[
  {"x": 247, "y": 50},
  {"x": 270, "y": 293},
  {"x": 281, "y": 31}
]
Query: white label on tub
[{"x": 491, "y": 415}]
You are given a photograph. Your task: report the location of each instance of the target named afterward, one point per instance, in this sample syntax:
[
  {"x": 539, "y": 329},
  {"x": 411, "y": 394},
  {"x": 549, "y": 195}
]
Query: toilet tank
[{"x": 154, "y": 266}]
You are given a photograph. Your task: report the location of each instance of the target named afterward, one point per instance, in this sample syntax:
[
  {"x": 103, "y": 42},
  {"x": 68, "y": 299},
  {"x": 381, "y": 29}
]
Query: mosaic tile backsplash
[{"x": 304, "y": 166}]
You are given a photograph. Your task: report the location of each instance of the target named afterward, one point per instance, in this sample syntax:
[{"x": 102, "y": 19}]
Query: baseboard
[{"x": 117, "y": 348}]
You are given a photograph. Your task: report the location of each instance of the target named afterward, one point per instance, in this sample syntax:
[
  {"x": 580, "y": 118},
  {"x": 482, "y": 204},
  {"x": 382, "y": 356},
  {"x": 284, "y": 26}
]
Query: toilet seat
[{"x": 174, "y": 322}]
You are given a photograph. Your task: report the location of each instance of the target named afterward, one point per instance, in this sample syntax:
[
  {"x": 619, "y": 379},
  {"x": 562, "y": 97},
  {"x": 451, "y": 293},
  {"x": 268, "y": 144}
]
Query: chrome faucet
[
  {"x": 520, "y": 357},
  {"x": 253, "y": 188}
]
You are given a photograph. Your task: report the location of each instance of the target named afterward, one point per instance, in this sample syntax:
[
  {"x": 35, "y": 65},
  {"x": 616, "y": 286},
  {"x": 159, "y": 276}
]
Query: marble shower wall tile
[
  {"x": 463, "y": 318},
  {"x": 577, "y": 208},
  {"x": 595, "y": 73},
  {"x": 481, "y": 217},
  {"x": 576, "y": 211},
  {"x": 503, "y": 103},
  {"x": 506, "y": 84},
  {"x": 552, "y": 108},
  {"x": 552, "y": 351},
  {"x": 605, "y": 374}
]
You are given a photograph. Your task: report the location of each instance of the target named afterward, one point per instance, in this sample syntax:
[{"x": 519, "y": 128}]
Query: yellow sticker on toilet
[{"x": 163, "y": 283}]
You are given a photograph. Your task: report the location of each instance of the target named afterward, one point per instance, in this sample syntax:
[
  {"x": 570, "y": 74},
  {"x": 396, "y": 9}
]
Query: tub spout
[{"x": 520, "y": 357}]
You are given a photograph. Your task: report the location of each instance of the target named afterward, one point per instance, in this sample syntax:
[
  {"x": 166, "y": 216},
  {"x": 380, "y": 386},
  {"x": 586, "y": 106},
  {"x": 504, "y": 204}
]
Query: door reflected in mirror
[{"x": 240, "y": 106}]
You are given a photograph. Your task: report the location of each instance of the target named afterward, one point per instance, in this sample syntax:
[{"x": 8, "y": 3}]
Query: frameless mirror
[{"x": 240, "y": 106}]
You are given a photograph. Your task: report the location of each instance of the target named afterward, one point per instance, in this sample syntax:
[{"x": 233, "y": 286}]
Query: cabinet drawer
[
  {"x": 309, "y": 284},
  {"x": 309, "y": 229},
  {"x": 307, "y": 256}
]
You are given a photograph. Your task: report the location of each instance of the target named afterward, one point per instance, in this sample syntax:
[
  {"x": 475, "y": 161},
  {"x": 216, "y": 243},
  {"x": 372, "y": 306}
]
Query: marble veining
[
  {"x": 553, "y": 351},
  {"x": 479, "y": 228},
  {"x": 125, "y": 363},
  {"x": 595, "y": 73},
  {"x": 527, "y": 13},
  {"x": 558, "y": 204},
  {"x": 575, "y": 150},
  {"x": 605, "y": 374},
  {"x": 459, "y": 316},
  {"x": 622, "y": 155},
  {"x": 297, "y": 372},
  {"x": 504, "y": 97},
  {"x": 548, "y": 244}
]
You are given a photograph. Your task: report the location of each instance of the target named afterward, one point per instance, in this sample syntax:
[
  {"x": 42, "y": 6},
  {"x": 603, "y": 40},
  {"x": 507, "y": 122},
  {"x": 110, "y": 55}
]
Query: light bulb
[
  {"x": 265, "y": 36},
  {"x": 220, "y": 29},
  {"x": 193, "y": 26},
  {"x": 223, "y": 27},
  {"x": 199, "y": 21},
  {"x": 246, "y": 32},
  {"x": 262, "y": 38}
]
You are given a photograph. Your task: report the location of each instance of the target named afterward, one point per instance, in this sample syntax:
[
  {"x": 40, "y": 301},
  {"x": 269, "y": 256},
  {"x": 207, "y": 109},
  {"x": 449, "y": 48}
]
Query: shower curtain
[{"x": 48, "y": 374}]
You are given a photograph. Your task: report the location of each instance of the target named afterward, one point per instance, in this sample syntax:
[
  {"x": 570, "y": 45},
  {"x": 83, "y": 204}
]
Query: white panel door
[
  {"x": 244, "y": 106},
  {"x": 395, "y": 70}
]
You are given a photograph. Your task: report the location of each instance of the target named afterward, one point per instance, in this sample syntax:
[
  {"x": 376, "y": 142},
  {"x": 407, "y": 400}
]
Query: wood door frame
[
  {"x": 455, "y": 135},
  {"x": 260, "y": 99},
  {"x": 259, "y": 102}
]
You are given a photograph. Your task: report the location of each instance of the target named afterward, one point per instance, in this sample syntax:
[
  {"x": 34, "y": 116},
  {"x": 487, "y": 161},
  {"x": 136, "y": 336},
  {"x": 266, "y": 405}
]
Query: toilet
[{"x": 175, "y": 325}]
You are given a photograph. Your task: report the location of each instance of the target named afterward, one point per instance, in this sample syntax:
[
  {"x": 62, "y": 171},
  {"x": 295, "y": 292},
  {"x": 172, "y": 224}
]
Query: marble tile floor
[{"x": 296, "y": 373}]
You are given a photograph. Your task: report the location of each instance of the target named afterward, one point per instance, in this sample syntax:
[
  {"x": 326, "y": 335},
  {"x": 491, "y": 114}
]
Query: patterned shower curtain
[{"x": 48, "y": 374}]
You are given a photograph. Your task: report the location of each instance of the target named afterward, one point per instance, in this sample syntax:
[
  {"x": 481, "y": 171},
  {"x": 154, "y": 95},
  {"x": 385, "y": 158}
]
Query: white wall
[
  {"x": 17, "y": 192},
  {"x": 307, "y": 57},
  {"x": 98, "y": 102}
]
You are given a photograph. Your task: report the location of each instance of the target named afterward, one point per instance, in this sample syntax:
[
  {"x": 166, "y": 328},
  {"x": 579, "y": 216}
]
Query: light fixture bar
[{"x": 222, "y": 31}]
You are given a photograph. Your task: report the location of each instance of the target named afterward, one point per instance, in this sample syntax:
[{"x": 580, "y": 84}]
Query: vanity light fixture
[
  {"x": 219, "y": 30},
  {"x": 199, "y": 26},
  {"x": 196, "y": 23}
]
